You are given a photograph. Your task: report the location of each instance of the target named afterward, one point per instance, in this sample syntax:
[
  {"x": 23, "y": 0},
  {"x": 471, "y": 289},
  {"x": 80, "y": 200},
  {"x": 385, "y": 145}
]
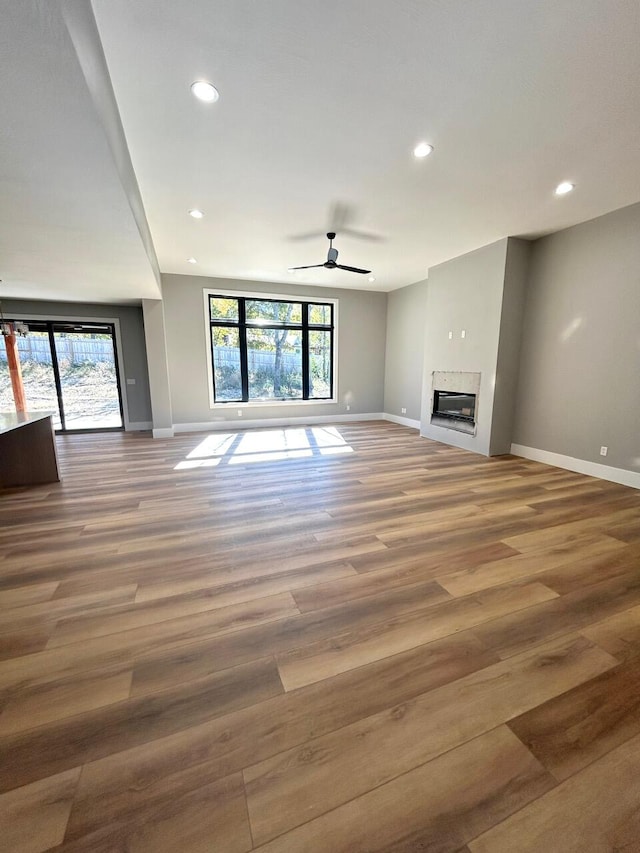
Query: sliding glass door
[
  {"x": 71, "y": 370},
  {"x": 37, "y": 374},
  {"x": 88, "y": 375}
]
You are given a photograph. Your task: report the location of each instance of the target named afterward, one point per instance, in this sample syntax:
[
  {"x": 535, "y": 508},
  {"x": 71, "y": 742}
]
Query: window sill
[{"x": 260, "y": 404}]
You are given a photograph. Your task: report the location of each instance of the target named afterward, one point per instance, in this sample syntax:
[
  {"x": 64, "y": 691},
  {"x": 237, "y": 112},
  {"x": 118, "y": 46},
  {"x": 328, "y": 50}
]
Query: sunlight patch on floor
[{"x": 271, "y": 445}]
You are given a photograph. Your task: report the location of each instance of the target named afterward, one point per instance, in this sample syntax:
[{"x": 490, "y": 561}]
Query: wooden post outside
[{"x": 15, "y": 372}]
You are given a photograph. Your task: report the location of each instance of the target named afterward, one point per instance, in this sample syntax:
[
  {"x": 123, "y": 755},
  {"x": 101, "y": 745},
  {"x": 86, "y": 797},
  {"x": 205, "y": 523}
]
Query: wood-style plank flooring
[{"x": 322, "y": 640}]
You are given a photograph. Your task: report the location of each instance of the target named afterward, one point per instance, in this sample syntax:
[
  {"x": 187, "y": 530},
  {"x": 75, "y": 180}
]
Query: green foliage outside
[{"x": 278, "y": 377}]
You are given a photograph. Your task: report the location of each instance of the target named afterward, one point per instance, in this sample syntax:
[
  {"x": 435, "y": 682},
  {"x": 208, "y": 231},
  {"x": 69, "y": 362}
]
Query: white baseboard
[
  {"x": 138, "y": 426},
  {"x": 164, "y": 432},
  {"x": 265, "y": 423},
  {"x": 397, "y": 419},
  {"x": 581, "y": 466}
]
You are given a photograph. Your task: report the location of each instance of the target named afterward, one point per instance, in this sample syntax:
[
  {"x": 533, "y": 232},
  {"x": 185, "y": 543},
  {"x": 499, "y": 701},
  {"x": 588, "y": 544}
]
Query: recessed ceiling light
[
  {"x": 564, "y": 188},
  {"x": 372, "y": 278},
  {"x": 205, "y": 91},
  {"x": 197, "y": 214},
  {"x": 191, "y": 261},
  {"x": 422, "y": 149}
]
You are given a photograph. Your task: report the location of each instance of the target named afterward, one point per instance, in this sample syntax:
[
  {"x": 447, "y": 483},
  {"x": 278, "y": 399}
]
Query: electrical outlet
[
  {"x": 463, "y": 333},
  {"x": 131, "y": 381},
  {"x": 450, "y": 335},
  {"x": 403, "y": 411},
  {"x": 348, "y": 407},
  {"x": 604, "y": 450},
  {"x": 239, "y": 413}
]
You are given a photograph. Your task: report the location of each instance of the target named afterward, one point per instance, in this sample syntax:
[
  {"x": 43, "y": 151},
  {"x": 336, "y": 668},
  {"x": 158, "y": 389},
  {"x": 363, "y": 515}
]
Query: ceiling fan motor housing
[{"x": 332, "y": 260}]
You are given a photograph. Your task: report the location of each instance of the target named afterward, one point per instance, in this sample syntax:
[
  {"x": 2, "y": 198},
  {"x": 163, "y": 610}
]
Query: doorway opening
[{"x": 69, "y": 369}]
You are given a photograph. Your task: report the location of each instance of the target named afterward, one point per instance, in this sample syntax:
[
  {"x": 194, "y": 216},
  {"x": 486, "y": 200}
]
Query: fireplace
[{"x": 454, "y": 410}]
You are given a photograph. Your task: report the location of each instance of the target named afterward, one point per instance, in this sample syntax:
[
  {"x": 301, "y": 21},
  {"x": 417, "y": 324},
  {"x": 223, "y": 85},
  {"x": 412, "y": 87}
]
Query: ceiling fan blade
[
  {"x": 339, "y": 215},
  {"x": 362, "y": 235},
  {"x": 310, "y": 267},
  {"x": 309, "y": 235},
  {"x": 351, "y": 269}
]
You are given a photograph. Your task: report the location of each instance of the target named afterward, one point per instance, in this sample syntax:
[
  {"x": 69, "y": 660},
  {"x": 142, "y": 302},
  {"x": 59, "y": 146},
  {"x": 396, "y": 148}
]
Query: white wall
[{"x": 361, "y": 337}]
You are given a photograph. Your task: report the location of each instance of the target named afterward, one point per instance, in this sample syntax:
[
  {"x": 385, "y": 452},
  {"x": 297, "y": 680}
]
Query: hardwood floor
[{"x": 339, "y": 639}]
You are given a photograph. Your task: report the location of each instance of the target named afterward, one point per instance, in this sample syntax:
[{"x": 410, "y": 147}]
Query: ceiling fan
[
  {"x": 341, "y": 215},
  {"x": 332, "y": 260}
]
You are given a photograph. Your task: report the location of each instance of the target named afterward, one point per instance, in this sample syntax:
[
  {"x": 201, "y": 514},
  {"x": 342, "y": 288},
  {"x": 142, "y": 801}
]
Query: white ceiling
[
  {"x": 321, "y": 103},
  {"x": 67, "y": 230}
]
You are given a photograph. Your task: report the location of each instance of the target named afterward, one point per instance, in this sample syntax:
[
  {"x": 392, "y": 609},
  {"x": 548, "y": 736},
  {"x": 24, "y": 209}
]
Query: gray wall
[
  {"x": 133, "y": 355},
  {"x": 579, "y": 385},
  {"x": 406, "y": 319},
  {"x": 155, "y": 335},
  {"x": 509, "y": 344},
  {"x": 465, "y": 294},
  {"x": 362, "y": 317}
]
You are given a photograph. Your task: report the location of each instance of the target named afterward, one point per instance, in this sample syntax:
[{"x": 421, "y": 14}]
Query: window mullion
[
  {"x": 305, "y": 350},
  {"x": 244, "y": 356}
]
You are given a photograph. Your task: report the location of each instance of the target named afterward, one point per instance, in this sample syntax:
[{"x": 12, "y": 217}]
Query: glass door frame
[{"x": 51, "y": 327}]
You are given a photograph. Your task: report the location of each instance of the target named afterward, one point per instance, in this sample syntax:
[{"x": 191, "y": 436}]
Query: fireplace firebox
[{"x": 455, "y": 410}]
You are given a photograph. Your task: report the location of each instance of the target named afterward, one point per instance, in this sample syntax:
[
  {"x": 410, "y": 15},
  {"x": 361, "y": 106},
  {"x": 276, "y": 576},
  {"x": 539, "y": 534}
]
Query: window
[{"x": 266, "y": 349}]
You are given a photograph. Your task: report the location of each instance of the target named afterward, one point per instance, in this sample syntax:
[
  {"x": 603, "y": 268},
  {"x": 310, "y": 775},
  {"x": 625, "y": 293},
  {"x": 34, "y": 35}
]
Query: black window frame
[{"x": 303, "y": 327}]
